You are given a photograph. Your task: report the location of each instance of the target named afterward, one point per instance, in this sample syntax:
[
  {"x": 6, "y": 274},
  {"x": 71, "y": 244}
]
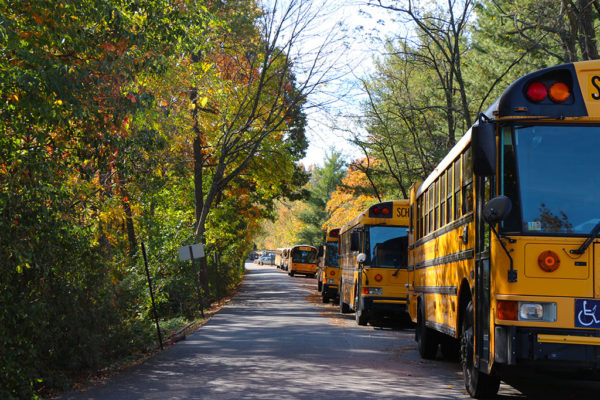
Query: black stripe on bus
[
  {"x": 467, "y": 219},
  {"x": 447, "y": 259},
  {"x": 448, "y": 330},
  {"x": 437, "y": 289}
]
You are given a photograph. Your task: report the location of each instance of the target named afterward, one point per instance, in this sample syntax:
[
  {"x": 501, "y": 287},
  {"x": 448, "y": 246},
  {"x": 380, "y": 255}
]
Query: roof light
[
  {"x": 536, "y": 92},
  {"x": 376, "y": 210},
  {"x": 385, "y": 211},
  {"x": 559, "y": 92}
]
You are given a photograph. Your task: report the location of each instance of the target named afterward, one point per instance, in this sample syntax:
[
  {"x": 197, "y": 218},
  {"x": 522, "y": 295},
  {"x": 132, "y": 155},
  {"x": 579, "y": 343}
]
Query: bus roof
[{"x": 367, "y": 217}]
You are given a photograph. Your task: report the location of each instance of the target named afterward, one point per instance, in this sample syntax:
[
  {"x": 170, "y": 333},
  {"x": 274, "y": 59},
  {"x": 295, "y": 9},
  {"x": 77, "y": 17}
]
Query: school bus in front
[
  {"x": 302, "y": 259},
  {"x": 328, "y": 273},
  {"x": 504, "y": 264},
  {"x": 373, "y": 261}
]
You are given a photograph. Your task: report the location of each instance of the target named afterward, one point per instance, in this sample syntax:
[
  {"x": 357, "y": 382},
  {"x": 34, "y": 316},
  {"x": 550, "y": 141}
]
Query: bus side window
[
  {"x": 449, "y": 195},
  {"x": 457, "y": 187},
  {"x": 467, "y": 181}
]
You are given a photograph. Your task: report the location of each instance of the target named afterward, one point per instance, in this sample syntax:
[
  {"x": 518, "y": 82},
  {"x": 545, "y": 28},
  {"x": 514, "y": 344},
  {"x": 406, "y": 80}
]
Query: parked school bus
[
  {"x": 373, "y": 262},
  {"x": 279, "y": 257},
  {"x": 328, "y": 273},
  {"x": 302, "y": 259},
  {"x": 504, "y": 256}
]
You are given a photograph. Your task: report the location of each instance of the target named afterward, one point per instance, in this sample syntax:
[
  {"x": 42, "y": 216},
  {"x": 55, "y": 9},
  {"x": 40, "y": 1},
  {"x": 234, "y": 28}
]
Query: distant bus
[
  {"x": 302, "y": 259},
  {"x": 328, "y": 274},
  {"x": 279, "y": 257},
  {"x": 373, "y": 261},
  {"x": 504, "y": 250}
]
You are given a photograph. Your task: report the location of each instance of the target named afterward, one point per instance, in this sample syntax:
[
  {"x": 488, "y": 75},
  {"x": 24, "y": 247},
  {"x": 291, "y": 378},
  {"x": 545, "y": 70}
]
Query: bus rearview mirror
[
  {"x": 361, "y": 258},
  {"x": 497, "y": 209}
]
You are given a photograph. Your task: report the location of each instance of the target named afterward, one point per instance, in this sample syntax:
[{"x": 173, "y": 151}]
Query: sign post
[{"x": 190, "y": 253}]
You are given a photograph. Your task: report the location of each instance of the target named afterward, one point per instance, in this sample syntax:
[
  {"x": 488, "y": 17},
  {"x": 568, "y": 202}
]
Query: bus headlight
[
  {"x": 510, "y": 310},
  {"x": 372, "y": 290},
  {"x": 537, "y": 312}
]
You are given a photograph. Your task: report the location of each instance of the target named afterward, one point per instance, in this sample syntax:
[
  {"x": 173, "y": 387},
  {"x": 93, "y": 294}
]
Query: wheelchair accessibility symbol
[{"x": 587, "y": 313}]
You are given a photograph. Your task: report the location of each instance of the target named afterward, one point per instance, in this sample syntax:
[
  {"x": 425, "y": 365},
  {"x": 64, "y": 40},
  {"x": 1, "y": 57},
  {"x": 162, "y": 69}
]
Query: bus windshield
[
  {"x": 304, "y": 256},
  {"x": 556, "y": 184},
  {"x": 388, "y": 246},
  {"x": 331, "y": 254}
]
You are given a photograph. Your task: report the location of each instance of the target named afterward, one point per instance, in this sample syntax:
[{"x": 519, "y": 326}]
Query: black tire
[
  {"x": 362, "y": 317},
  {"x": 344, "y": 308},
  {"x": 478, "y": 384},
  {"x": 427, "y": 338}
]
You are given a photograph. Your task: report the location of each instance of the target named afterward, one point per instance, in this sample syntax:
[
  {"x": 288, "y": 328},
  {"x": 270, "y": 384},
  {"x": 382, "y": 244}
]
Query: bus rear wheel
[
  {"x": 478, "y": 384},
  {"x": 427, "y": 342}
]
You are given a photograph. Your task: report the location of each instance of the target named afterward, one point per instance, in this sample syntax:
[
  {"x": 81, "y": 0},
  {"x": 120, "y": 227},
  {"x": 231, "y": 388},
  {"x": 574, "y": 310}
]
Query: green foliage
[
  {"x": 323, "y": 183},
  {"x": 95, "y": 158}
]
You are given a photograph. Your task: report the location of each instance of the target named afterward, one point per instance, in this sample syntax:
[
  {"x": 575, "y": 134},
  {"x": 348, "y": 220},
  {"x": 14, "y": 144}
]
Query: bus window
[
  {"x": 304, "y": 256},
  {"x": 331, "y": 254},
  {"x": 457, "y": 188},
  {"x": 388, "y": 246},
  {"x": 467, "y": 182}
]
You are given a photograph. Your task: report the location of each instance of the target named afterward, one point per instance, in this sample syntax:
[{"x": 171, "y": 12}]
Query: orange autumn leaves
[{"x": 350, "y": 198}]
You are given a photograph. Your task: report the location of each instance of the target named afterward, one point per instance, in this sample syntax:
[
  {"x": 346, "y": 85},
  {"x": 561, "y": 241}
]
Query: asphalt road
[{"x": 275, "y": 340}]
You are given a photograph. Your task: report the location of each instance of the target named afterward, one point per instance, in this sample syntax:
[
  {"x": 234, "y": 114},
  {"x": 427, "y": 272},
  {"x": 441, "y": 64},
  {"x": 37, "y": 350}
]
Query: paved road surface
[{"x": 275, "y": 340}]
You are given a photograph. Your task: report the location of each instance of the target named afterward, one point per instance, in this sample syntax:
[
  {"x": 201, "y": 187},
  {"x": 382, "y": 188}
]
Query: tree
[
  {"x": 349, "y": 199},
  {"x": 324, "y": 181}
]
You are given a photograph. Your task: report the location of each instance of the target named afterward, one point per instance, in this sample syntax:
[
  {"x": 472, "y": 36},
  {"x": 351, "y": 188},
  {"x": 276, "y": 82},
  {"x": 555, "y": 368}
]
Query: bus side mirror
[
  {"x": 361, "y": 258},
  {"x": 354, "y": 241},
  {"x": 497, "y": 209},
  {"x": 483, "y": 141}
]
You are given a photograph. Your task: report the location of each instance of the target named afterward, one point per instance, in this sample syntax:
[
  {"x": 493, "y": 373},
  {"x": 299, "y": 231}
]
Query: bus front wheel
[
  {"x": 344, "y": 308},
  {"x": 426, "y": 337},
  {"x": 362, "y": 318},
  {"x": 478, "y": 384}
]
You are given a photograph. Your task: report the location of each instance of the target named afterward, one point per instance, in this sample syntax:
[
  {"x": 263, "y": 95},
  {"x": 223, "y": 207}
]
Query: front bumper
[
  {"x": 330, "y": 291},
  {"x": 547, "y": 347},
  {"x": 383, "y": 305}
]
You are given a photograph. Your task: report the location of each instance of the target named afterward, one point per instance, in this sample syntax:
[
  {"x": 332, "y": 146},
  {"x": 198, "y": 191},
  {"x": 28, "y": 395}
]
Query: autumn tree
[
  {"x": 324, "y": 180},
  {"x": 350, "y": 198}
]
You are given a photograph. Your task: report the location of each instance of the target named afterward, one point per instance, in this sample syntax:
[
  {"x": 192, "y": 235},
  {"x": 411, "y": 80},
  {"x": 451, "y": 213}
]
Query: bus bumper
[
  {"x": 330, "y": 291},
  {"x": 547, "y": 347},
  {"x": 383, "y": 305}
]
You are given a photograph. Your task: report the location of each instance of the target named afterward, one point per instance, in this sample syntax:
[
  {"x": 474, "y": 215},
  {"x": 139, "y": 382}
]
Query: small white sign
[{"x": 197, "y": 251}]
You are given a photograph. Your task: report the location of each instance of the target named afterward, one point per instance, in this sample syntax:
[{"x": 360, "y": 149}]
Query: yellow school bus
[
  {"x": 328, "y": 273},
  {"x": 279, "y": 257},
  {"x": 373, "y": 261},
  {"x": 302, "y": 259},
  {"x": 504, "y": 256}
]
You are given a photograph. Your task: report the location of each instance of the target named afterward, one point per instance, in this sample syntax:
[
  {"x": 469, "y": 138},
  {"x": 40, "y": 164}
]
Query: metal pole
[
  {"x": 152, "y": 296},
  {"x": 200, "y": 299}
]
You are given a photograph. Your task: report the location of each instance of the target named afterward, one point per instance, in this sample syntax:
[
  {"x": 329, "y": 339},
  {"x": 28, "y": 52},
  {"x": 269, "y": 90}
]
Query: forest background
[{"x": 172, "y": 122}]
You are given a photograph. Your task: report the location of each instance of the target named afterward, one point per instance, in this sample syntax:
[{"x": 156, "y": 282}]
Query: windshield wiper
[{"x": 593, "y": 235}]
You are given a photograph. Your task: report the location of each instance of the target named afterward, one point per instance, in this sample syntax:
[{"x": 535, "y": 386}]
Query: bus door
[{"x": 482, "y": 300}]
